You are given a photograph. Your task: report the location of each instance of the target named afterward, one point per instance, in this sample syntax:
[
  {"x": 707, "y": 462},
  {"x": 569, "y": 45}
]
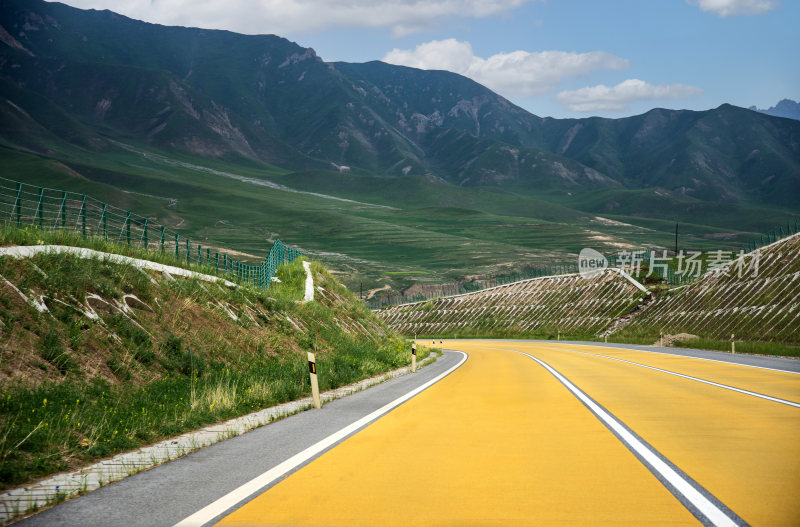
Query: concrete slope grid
[
  {"x": 756, "y": 297},
  {"x": 569, "y": 303}
]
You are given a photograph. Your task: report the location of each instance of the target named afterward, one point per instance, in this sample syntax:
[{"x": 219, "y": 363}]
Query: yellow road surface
[
  {"x": 498, "y": 442},
  {"x": 742, "y": 449},
  {"x": 777, "y": 384}
]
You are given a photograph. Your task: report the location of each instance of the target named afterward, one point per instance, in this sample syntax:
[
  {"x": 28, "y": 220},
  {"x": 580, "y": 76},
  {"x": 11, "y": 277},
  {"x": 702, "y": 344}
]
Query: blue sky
[{"x": 559, "y": 58}]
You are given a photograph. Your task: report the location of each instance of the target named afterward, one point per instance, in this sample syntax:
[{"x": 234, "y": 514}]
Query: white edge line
[
  {"x": 703, "y": 504},
  {"x": 704, "y": 381},
  {"x": 229, "y": 500},
  {"x": 684, "y": 356}
]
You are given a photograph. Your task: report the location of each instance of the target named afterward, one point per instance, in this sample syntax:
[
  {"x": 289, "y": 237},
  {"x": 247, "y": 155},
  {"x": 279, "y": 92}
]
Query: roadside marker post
[
  {"x": 413, "y": 357},
  {"x": 312, "y": 371},
  {"x": 733, "y": 344}
]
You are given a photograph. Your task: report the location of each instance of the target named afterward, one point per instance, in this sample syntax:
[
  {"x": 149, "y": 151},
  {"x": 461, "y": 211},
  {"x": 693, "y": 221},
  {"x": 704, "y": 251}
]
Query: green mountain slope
[
  {"x": 223, "y": 95},
  {"x": 152, "y": 115}
]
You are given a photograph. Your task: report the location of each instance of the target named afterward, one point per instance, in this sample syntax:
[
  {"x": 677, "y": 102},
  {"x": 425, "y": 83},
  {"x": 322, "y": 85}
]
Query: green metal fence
[{"x": 24, "y": 205}]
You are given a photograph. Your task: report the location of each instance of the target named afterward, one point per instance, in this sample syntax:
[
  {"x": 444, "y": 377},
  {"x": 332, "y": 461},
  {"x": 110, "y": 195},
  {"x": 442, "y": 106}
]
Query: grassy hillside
[
  {"x": 118, "y": 357},
  {"x": 194, "y": 128},
  {"x": 391, "y": 226}
]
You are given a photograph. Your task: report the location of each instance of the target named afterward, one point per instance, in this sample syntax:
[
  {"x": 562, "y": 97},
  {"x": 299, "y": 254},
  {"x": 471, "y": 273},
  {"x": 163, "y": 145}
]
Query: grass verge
[
  {"x": 121, "y": 358},
  {"x": 753, "y": 347}
]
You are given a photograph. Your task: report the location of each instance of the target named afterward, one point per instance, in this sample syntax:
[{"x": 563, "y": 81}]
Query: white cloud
[
  {"x": 618, "y": 98},
  {"x": 514, "y": 74},
  {"x": 726, "y": 8},
  {"x": 283, "y": 17}
]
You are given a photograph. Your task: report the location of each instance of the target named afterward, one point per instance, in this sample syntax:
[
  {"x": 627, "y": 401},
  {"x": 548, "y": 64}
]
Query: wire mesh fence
[
  {"x": 24, "y": 205},
  {"x": 430, "y": 291},
  {"x": 675, "y": 269}
]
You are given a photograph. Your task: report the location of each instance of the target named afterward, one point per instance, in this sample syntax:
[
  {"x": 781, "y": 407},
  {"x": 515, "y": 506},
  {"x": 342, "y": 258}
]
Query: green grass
[
  {"x": 752, "y": 347},
  {"x": 434, "y": 233},
  {"x": 75, "y": 389},
  {"x": 51, "y": 427},
  {"x": 11, "y": 235}
]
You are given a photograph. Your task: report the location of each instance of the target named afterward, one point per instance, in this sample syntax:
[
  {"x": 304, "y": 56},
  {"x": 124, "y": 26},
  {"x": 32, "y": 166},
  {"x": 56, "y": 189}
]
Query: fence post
[
  {"x": 40, "y": 208},
  {"x": 177, "y": 244},
  {"x": 199, "y": 254},
  {"x": 64, "y": 209},
  {"x": 18, "y": 204},
  {"x": 83, "y": 216},
  {"x": 162, "y": 239},
  {"x": 225, "y": 262},
  {"x": 216, "y": 263},
  {"x": 208, "y": 255},
  {"x": 105, "y": 222},
  {"x": 128, "y": 227},
  {"x": 187, "y": 250},
  {"x": 146, "y": 244}
]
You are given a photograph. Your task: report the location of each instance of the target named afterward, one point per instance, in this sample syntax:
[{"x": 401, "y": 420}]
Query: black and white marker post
[
  {"x": 413, "y": 357},
  {"x": 312, "y": 370}
]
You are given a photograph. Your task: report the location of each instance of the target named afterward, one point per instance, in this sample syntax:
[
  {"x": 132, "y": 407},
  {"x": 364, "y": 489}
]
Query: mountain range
[
  {"x": 785, "y": 108},
  {"x": 78, "y": 83}
]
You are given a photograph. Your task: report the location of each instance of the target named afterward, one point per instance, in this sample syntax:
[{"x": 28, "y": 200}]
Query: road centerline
[
  {"x": 684, "y": 376},
  {"x": 691, "y": 494},
  {"x": 727, "y": 362}
]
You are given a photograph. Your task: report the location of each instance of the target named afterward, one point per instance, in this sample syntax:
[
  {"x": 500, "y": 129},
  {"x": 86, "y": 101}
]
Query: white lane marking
[
  {"x": 209, "y": 512},
  {"x": 687, "y": 356},
  {"x": 676, "y": 374},
  {"x": 714, "y": 514}
]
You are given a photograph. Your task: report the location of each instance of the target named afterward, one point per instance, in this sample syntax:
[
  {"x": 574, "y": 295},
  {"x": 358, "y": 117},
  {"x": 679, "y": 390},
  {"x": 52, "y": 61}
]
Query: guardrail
[{"x": 23, "y": 205}]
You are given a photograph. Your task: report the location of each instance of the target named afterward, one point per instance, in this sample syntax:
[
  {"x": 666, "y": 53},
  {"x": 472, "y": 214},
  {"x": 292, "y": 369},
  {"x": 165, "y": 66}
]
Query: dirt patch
[
  {"x": 670, "y": 340},
  {"x": 605, "y": 221},
  {"x": 372, "y": 292}
]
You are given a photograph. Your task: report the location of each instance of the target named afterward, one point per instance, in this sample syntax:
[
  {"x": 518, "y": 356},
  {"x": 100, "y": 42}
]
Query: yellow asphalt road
[
  {"x": 502, "y": 442},
  {"x": 744, "y": 450},
  {"x": 784, "y": 385}
]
